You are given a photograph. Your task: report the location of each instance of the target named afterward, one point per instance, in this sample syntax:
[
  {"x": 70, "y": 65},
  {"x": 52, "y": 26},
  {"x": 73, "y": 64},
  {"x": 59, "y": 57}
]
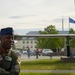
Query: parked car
[
  {"x": 46, "y": 52},
  {"x": 24, "y": 51},
  {"x": 33, "y": 53}
]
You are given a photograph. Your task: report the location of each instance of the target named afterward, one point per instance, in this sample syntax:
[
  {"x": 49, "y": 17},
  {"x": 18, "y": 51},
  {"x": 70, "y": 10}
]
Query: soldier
[{"x": 9, "y": 64}]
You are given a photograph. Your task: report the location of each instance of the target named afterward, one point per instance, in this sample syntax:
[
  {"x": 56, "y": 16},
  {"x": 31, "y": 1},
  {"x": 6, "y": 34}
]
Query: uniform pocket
[{"x": 6, "y": 64}]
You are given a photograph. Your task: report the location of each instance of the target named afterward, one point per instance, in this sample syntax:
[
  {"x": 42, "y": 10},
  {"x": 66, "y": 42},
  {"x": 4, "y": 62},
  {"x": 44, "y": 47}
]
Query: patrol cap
[{"x": 6, "y": 31}]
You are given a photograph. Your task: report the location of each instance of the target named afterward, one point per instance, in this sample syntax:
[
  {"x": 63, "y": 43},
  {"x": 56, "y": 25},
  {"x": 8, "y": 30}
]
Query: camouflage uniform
[{"x": 9, "y": 64}]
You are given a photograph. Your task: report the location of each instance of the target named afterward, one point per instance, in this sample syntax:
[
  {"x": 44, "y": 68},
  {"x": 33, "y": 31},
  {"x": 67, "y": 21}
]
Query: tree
[
  {"x": 72, "y": 40},
  {"x": 71, "y": 31},
  {"x": 50, "y": 43}
]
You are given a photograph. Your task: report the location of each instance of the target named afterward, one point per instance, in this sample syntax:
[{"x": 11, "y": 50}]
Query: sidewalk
[{"x": 49, "y": 71}]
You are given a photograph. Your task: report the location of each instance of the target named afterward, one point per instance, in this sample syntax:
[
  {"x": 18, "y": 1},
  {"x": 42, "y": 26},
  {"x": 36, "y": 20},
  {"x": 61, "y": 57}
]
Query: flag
[{"x": 71, "y": 20}]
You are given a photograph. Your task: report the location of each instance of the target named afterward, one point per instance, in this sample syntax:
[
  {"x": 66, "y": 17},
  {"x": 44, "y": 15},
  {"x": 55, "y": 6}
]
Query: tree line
[{"x": 53, "y": 43}]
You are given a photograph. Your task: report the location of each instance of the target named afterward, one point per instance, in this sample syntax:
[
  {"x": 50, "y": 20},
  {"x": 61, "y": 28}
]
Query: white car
[
  {"x": 24, "y": 51},
  {"x": 46, "y": 52}
]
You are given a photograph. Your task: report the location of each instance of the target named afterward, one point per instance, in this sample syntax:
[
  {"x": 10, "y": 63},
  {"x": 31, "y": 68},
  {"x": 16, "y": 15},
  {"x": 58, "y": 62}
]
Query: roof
[
  {"x": 37, "y": 32},
  {"x": 32, "y": 32},
  {"x": 63, "y": 32}
]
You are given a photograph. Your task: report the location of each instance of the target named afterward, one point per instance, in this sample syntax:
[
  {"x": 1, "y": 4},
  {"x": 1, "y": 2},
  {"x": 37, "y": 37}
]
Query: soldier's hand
[{"x": 2, "y": 71}]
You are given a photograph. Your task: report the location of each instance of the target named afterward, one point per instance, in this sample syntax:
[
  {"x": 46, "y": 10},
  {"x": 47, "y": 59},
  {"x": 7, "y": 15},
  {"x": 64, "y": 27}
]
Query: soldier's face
[{"x": 7, "y": 41}]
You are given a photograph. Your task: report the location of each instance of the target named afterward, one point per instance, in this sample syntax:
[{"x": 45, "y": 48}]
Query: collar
[{"x": 5, "y": 54}]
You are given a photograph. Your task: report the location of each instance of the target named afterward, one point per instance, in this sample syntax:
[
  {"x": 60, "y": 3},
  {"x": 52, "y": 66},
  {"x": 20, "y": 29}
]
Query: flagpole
[
  {"x": 74, "y": 6},
  {"x": 62, "y": 24},
  {"x": 74, "y": 2},
  {"x": 69, "y": 24}
]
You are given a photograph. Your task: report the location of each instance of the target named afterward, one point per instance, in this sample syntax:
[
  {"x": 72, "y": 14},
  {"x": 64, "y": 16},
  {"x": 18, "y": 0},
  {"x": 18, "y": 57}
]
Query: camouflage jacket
[{"x": 9, "y": 64}]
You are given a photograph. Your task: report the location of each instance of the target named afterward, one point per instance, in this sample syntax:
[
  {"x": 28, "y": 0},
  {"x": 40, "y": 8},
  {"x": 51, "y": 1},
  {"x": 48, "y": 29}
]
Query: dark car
[{"x": 32, "y": 53}]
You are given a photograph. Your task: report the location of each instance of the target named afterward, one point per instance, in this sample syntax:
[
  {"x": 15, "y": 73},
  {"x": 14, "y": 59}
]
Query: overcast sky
[{"x": 27, "y": 15}]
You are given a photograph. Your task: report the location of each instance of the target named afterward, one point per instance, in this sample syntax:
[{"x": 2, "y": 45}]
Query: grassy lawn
[
  {"x": 47, "y": 64},
  {"x": 46, "y": 74}
]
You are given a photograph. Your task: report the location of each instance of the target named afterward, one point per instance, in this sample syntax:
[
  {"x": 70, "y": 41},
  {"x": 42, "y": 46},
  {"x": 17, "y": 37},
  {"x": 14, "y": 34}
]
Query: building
[
  {"x": 31, "y": 42},
  {"x": 27, "y": 42}
]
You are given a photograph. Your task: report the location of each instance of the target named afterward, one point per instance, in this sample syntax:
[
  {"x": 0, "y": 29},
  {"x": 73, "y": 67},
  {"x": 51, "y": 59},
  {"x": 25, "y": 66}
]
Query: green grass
[
  {"x": 46, "y": 74},
  {"x": 47, "y": 64}
]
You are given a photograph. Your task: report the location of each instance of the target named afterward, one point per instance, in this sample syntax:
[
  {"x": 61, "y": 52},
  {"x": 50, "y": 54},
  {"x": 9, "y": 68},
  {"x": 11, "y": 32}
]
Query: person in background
[
  {"x": 37, "y": 53},
  {"x": 28, "y": 52},
  {"x": 9, "y": 63}
]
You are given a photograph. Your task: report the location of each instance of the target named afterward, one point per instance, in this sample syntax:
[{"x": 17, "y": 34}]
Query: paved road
[{"x": 25, "y": 58}]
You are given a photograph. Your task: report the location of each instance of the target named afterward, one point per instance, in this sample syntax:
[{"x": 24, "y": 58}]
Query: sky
[{"x": 35, "y": 15}]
